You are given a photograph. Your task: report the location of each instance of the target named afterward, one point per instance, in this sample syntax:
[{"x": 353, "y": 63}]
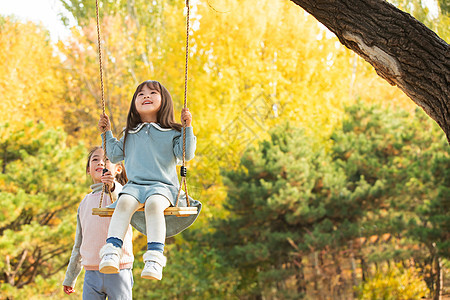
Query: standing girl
[
  {"x": 151, "y": 147},
  {"x": 91, "y": 232}
]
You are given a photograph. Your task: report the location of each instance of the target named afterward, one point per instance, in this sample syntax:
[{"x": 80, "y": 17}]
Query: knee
[
  {"x": 126, "y": 203},
  {"x": 156, "y": 204}
]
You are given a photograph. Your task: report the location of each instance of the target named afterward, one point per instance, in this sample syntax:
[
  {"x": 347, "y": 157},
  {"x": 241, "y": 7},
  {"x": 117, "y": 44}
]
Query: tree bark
[
  {"x": 402, "y": 50},
  {"x": 439, "y": 280}
]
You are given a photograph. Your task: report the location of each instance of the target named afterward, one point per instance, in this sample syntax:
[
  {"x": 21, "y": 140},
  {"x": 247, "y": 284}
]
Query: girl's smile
[
  {"x": 96, "y": 165},
  {"x": 148, "y": 102}
]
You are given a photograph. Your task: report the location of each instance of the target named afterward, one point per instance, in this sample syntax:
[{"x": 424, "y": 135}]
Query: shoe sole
[
  {"x": 109, "y": 270},
  {"x": 150, "y": 276}
]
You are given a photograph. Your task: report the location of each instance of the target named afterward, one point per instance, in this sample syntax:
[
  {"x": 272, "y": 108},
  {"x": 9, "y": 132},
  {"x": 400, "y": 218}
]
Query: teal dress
[{"x": 151, "y": 156}]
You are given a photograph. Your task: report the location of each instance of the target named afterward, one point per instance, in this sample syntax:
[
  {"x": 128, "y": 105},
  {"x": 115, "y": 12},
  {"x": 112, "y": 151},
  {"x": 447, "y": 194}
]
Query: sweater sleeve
[
  {"x": 74, "y": 267},
  {"x": 114, "y": 147},
  {"x": 191, "y": 144}
]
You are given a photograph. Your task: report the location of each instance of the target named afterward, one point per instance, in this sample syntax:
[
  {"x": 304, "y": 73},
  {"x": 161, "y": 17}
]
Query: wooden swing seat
[{"x": 171, "y": 211}]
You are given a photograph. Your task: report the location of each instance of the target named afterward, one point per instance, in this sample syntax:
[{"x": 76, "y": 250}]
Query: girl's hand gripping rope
[
  {"x": 186, "y": 116},
  {"x": 108, "y": 179},
  {"x": 104, "y": 124}
]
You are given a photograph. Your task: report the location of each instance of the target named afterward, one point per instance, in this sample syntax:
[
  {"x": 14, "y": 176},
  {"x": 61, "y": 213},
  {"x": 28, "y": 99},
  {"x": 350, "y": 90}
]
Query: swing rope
[
  {"x": 183, "y": 170},
  {"x": 105, "y": 188}
]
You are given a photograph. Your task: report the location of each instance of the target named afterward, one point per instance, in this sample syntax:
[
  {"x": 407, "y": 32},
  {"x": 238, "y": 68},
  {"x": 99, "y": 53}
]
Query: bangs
[{"x": 151, "y": 84}]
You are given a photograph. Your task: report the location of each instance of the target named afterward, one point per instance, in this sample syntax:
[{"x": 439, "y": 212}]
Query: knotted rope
[
  {"x": 105, "y": 188},
  {"x": 183, "y": 170}
]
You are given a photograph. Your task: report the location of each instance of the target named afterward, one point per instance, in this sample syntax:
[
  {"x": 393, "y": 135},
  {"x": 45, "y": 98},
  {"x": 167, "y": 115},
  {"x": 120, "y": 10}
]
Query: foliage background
[{"x": 317, "y": 177}]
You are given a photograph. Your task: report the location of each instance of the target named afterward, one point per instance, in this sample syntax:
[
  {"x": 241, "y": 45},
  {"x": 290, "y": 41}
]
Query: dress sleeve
[
  {"x": 191, "y": 144},
  {"x": 74, "y": 267},
  {"x": 114, "y": 147}
]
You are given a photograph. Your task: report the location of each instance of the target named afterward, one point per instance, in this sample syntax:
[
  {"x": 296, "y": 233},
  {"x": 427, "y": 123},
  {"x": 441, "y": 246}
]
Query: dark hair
[
  {"x": 165, "y": 116},
  {"x": 120, "y": 178}
]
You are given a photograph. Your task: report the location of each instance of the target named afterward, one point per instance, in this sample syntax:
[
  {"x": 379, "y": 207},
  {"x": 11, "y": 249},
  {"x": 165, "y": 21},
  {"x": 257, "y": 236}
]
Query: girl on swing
[{"x": 151, "y": 147}]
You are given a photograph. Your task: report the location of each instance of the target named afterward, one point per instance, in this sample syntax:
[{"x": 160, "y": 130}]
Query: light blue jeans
[{"x": 98, "y": 286}]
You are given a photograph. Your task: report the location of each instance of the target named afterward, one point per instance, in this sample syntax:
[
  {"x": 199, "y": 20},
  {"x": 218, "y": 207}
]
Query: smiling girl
[
  {"x": 151, "y": 147},
  {"x": 92, "y": 231}
]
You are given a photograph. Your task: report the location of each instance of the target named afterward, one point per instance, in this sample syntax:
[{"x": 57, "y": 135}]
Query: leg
[
  {"x": 92, "y": 286},
  {"x": 119, "y": 286},
  {"x": 112, "y": 251},
  {"x": 154, "y": 218},
  {"x": 126, "y": 206},
  {"x": 156, "y": 236}
]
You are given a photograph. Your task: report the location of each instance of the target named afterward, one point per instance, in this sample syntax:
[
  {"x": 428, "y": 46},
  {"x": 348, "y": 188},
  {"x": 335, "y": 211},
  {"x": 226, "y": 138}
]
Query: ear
[{"x": 118, "y": 169}]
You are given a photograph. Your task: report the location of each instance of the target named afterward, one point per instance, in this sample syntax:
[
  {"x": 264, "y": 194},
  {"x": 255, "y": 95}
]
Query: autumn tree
[
  {"x": 137, "y": 45},
  {"x": 30, "y": 78},
  {"x": 391, "y": 50},
  {"x": 248, "y": 75},
  {"x": 253, "y": 66},
  {"x": 245, "y": 75}
]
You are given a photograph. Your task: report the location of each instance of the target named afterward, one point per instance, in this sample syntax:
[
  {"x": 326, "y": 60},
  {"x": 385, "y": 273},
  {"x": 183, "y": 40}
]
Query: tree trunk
[
  {"x": 363, "y": 269},
  {"x": 353, "y": 269},
  {"x": 439, "y": 278},
  {"x": 402, "y": 50},
  {"x": 317, "y": 273}
]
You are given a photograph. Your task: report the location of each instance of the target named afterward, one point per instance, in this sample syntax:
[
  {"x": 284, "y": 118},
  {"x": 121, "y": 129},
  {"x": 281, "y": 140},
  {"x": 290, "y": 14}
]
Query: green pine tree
[
  {"x": 290, "y": 199},
  {"x": 42, "y": 182}
]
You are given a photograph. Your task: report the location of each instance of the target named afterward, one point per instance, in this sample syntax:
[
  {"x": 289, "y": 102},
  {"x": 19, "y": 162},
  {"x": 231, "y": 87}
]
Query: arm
[
  {"x": 191, "y": 144},
  {"x": 74, "y": 267},
  {"x": 114, "y": 147},
  {"x": 191, "y": 140}
]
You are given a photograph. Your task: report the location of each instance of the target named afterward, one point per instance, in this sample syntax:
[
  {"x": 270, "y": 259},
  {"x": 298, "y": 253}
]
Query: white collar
[{"x": 156, "y": 125}]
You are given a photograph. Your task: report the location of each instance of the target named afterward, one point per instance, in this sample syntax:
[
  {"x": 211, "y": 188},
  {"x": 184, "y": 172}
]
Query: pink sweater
[{"x": 91, "y": 235}]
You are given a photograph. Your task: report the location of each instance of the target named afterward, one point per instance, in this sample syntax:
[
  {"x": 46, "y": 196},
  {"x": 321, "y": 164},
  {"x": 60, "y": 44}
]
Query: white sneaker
[
  {"x": 155, "y": 261},
  {"x": 110, "y": 262},
  {"x": 152, "y": 270}
]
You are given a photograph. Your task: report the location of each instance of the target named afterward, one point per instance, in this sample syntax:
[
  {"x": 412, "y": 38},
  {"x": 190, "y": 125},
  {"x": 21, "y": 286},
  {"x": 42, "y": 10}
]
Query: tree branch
[{"x": 402, "y": 50}]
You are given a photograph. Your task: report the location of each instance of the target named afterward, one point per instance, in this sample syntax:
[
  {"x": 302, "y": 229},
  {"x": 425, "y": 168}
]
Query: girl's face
[
  {"x": 96, "y": 165},
  {"x": 148, "y": 102}
]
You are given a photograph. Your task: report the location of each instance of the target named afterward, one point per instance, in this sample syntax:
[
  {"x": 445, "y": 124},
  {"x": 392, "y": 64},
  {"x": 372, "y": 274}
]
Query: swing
[{"x": 173, "y": 210}]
